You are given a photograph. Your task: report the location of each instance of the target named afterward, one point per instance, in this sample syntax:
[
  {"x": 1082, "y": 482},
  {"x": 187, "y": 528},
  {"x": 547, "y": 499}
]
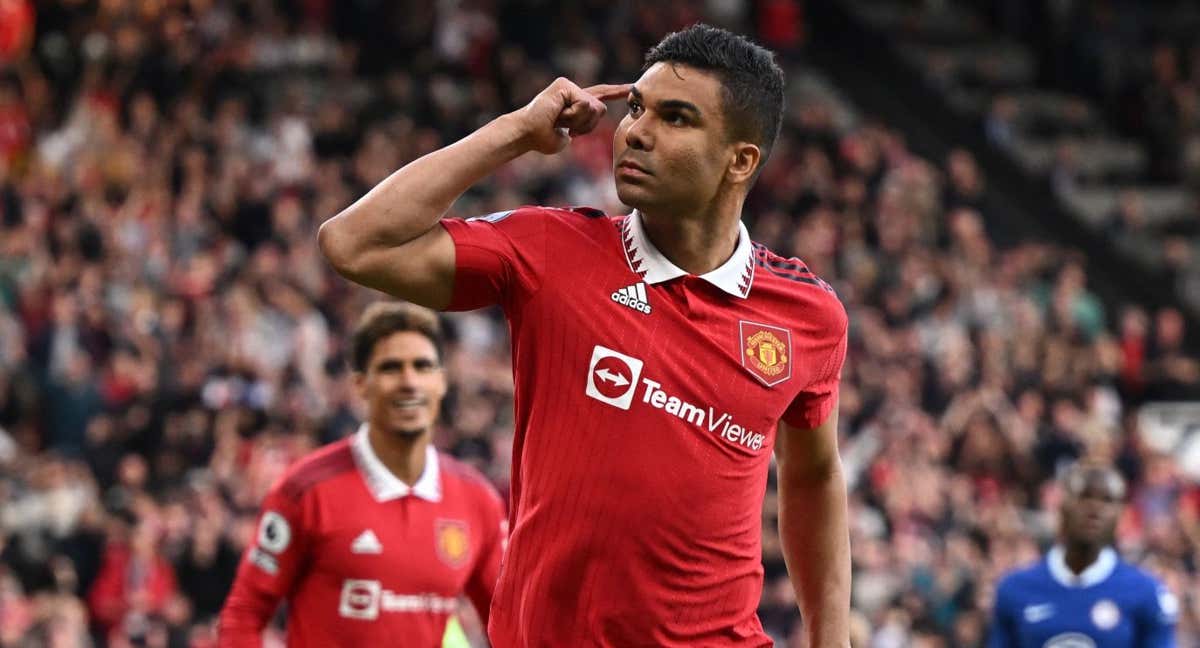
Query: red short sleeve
[
  {"x": 277, "y": 557},
  {"x": 268, "y": 572},
  {"x": 499, "y": 258},
  {"x": 816, "y": 401}
]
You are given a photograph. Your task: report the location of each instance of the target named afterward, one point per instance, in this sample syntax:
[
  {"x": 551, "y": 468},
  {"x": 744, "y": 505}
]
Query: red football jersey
[
  {"x": 646, "y": 406},
  {"x": 362, "y": 558}
]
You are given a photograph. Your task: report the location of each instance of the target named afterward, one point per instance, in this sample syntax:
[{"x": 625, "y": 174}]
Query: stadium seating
[{"x": 1083, "y": 117}]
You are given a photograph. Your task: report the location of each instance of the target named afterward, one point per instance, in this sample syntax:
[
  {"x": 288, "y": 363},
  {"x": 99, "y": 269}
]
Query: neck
[
  {"x": 404, "y": 456},
  {"x": 698, "y": 242},
  {"x": 1079, "y": 557}
]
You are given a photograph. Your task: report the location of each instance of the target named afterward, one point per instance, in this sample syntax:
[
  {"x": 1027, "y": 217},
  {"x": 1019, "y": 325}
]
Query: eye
[
  {"x": 635, "y": 107},
  {"x": 675, "y": 119}
]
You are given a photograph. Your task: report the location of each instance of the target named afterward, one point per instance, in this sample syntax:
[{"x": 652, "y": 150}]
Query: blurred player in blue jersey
[{"x": 1082, "y": 595}]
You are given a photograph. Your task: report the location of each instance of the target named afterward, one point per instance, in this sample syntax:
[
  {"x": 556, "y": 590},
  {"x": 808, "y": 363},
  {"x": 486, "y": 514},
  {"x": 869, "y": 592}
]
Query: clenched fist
[{"x": 562, "y": 111}]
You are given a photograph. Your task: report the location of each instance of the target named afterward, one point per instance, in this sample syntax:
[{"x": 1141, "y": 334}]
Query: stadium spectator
[{"x": 135, "y": 582}]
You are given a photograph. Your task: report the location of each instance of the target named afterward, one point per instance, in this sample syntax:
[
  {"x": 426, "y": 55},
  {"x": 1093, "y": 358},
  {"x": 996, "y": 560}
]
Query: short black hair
[
  {"x": 382, "y": 319},
  {"x": 751, "y": 79}
]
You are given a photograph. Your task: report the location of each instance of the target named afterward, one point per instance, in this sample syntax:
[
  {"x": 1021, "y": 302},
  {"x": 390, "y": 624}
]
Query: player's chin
[
  {"x": 411, "y": 434},
  {"x": 634, "y": 193},
  {"x": 408, "y": 430},
  {"x": 407, "y": 421},
  {"x": 1092, "y": 535}
]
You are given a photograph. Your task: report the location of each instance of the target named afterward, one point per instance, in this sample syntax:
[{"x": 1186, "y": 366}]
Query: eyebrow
[
  {"x": 669, "y": 104},
  {"x": 395, "y": 363}
]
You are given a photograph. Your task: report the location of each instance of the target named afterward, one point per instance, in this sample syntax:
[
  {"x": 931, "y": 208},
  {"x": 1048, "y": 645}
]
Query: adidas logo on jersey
[
  {"x": 633, "y": 296},
  {"x": 366, "y": 543}
]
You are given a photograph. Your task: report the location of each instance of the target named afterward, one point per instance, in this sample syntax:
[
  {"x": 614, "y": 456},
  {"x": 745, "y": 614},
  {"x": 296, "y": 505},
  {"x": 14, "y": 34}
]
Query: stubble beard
[{"x": 409, "y": 435}]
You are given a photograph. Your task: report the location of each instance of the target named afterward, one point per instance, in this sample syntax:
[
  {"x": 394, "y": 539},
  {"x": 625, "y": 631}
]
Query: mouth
[
  {"x": 408, "y": 404},
  {"x": 1092, "y": 525},
  {"x": 632, "y": 169}
]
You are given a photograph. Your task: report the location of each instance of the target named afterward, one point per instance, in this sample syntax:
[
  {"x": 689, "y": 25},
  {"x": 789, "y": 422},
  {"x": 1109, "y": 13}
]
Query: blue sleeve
[
  {"x": 1003, "y": 633},
  {"x": 1158, "y": 618}
]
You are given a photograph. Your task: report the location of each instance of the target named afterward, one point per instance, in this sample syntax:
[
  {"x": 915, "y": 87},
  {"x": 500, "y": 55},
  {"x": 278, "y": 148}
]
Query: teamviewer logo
[
  {"x": 360, "y": 599},
  {"x": 612, "y": 377}
]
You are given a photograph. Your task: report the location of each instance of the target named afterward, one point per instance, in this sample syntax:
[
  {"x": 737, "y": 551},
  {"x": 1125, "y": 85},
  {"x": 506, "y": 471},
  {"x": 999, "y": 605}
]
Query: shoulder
[
  {"x": 542, "y": 214},
  {"x": 1151, "y": 594},
  {"x": 799, "y": 284},
  {"x": 791, "y": 269},
  {"x": 464, "y": 473},
  {"x": 467, "y": 476},
  {"x": 315, "y": 468},
  {"x": 585, "y": 222},
  {"x": 1016, "y": 580},
  {"x": 538, "y": 223},
  {"x": 1135, "y": 579}
]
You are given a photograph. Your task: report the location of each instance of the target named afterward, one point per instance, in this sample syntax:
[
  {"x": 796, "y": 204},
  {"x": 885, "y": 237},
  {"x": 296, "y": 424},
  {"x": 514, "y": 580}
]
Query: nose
[
  {"x": 638, "y": 135},
  {"x": 406, "y": 379}
]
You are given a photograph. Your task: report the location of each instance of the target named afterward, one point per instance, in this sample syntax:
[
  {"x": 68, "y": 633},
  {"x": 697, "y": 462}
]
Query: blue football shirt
[{"x": 1112, "y": 604}]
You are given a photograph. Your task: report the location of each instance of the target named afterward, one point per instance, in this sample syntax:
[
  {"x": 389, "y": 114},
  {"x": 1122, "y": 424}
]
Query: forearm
[
  {"x": 412, "y": 199},
  {"x": 816, "y": 548},
  {"x": 242, "y": 620}
]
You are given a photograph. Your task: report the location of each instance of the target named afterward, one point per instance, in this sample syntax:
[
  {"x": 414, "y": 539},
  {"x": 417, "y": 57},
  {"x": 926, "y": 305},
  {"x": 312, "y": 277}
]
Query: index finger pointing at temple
[{"x": 608, "y": 92}]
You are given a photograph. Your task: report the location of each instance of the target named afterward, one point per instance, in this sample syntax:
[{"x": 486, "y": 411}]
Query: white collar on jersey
[
  {"x": 735, "y": 276},
  {"x": 386, "y": 486},
  {"x": 1095, "y": 573}
]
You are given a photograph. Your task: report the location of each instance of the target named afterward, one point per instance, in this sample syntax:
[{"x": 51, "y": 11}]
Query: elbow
[
  {"x": 812, "y": 474},
  {"x": 242, "y": 620},
  {"x": 336, "y": 245}
]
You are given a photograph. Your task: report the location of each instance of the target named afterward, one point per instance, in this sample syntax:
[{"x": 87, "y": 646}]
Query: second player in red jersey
[
  {"x": 372, "y": 539},
  {"x": 659, "y": 358}
]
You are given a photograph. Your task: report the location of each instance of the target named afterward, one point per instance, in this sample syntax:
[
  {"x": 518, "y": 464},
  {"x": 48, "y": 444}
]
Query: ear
[
  {"x": 744, "y": 162},
  {"x": 443, "y": 385},
  {"x": 360, "y": 384}
]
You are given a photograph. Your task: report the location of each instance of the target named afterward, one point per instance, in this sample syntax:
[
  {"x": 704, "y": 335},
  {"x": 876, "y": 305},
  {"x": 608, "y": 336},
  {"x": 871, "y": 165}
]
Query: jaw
[
  {"x": 414, "y": 422},
  {"x": 405, "y": 419},
  {"x": 411, "y": 434},
  {"x": 405, "y": 430},
  {"x": 644, "y": 197},
  {"x": 1082, "y": 539}
]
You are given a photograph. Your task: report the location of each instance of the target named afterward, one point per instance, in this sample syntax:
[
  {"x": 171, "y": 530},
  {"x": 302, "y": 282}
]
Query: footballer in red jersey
[
  {"x": 659, "y": 358},
  {"x": 372, "y": 539}
]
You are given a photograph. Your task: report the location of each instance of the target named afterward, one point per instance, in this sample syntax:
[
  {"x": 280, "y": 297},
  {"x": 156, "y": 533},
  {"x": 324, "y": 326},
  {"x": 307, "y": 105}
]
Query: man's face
[
  {"x": 671, "y": 150},
  {"x": 1092, "y": 505},
  {"x": 403, "y": 384}
]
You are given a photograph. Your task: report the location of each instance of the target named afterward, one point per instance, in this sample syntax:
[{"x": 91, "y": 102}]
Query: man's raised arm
[{"x": 387, "y": 240}]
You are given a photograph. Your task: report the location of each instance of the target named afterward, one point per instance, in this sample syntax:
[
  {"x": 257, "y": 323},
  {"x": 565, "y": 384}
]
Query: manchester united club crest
[
  {"x": 766, "y": 351},
  {"x": 452, "y": 543}
]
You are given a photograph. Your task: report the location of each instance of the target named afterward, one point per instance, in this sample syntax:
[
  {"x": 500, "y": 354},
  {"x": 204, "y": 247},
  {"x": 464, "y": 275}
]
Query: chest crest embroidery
[
  {"x": 766, "y": 351},
  {"x": 453, "y": 545}
]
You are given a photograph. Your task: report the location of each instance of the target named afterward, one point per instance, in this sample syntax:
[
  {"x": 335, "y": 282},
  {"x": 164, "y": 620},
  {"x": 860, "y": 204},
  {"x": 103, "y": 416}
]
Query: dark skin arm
[{"x": 813, "y": 529}]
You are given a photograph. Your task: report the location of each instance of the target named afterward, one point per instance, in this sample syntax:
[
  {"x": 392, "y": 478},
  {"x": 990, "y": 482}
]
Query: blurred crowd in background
[
  {"x": 1140, "y": 66},
  {"x": 1122, "y": 79},
  {"x": 171, "y": 339}
]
